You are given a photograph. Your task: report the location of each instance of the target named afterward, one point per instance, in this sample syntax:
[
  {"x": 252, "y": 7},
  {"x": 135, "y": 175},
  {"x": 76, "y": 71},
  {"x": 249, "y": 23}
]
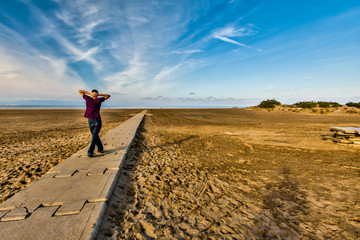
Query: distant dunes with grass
[{"x": 321, "y": 107}]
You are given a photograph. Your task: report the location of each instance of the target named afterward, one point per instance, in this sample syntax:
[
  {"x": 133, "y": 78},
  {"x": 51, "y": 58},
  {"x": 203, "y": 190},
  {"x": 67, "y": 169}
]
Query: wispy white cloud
[
  {"x": 225, "y": 34},
  {"x": 136, "y": 56},
  {"x": 187, "y": 51},
  {"x": 236, "y": 32},
  {"x": 133, "y": 74},
  {"x": 143, "y": 49},
  {"x": 86, "y": 31},
  {"x": 166, "y": 71},
  {"x": 65, "y": 17},
  {"x": 138, "y": 19},
  {"x": 32, "y": 76},
  {"x": 331, "y": 59},
  {"x": 150, "y": 48},
  {"x": 225, "y": 39},
  {"x": 86, "y": 55},
  {"x": 83, "y": 19},
  {"x": 77, "y": 53},
  {"x": 26, "y": 72}
]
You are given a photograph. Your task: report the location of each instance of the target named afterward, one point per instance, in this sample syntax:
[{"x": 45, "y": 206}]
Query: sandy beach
[
  {"x": 237, "y": 174},
  {"x": 35, "y": 140},
  {"x": 204, "y": 173}
]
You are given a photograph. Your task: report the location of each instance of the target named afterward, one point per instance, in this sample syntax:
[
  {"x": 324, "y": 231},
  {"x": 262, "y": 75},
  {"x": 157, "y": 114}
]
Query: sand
[
  {"x": 317, "y": 110},
  {"x": 205, "y": 174},
  {"x": 34, "y": 141},
  {"x": 237, "y": 174}
]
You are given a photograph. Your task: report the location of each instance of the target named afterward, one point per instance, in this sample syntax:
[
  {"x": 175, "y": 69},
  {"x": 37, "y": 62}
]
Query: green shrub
[
  {"x": 324, "y": 104},
  {"x": 335, "y": 104},
  {"x": 328, "y": 104},
  {"x": 269, "y": 103},
  {"x": 306, "y": 104},
  {"x": 351, "y": 104}
]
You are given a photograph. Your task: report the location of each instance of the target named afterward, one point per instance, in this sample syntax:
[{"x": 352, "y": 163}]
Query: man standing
[{"x": 92, "y": 112}]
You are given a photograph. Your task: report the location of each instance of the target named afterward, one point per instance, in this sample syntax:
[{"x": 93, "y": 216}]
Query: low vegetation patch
[
  {"x": 270, "y": 103},
  {"x": 328, "y": 104},
  {"x": 319, "y": 104},
  {"x": 351, "y": 111},
  {"x": 351, "y": 104},
  {"x": 309, "y": 104},
  {"x": 321, "y": 107},
  {"x": 306, "y": 104}
]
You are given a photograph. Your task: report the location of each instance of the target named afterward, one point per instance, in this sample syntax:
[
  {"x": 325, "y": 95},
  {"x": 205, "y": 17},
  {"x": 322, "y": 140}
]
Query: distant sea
[{"x": 16, "y": 106}]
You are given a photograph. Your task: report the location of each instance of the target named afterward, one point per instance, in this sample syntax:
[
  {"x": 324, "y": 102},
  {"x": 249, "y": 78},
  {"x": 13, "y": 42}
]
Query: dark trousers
[{"x": 95, "y": 127}]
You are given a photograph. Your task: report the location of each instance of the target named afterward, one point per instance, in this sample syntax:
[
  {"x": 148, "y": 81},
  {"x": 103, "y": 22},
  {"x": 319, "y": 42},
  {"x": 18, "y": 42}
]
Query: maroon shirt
[{"x": 92, "y": 106}]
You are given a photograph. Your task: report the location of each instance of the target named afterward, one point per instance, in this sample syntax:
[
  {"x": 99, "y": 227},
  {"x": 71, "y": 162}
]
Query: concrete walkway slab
[{"x": 68, "y": 202}]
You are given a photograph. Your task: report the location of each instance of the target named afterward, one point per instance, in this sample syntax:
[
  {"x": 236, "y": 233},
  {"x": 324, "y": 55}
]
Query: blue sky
[{"x": 180, "y": 53}]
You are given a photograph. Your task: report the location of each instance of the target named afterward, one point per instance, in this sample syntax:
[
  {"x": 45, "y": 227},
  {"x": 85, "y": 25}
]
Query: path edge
[{"x": 101, "y": 216}]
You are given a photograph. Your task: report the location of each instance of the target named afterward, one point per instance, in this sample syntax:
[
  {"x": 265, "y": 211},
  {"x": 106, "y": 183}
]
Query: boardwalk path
[{"x": 70, "y": 200}]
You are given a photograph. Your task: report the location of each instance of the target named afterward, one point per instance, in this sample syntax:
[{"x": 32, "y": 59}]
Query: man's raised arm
[
  {"x": 106, "y": 96},
  {"x": 82, "y": 92}
]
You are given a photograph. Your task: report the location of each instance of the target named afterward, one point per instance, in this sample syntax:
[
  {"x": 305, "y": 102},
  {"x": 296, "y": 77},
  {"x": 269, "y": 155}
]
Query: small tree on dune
[{"x": 269, "y": 103}]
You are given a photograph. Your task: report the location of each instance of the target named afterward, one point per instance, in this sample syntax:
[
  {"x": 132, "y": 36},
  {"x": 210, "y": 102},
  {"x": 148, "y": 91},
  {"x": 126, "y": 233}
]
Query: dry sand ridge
[{"x": 237, "y": 174}]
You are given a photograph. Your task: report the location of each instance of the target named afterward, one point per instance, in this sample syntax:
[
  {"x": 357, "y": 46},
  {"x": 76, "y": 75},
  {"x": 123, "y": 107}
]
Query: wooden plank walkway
[{"x": 70, "y": 200}]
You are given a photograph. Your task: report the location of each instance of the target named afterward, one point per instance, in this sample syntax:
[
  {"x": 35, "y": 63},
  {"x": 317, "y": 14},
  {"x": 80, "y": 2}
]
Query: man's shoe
[
  {"x": 102, "y": 151},
  {"x": 90, "y": 155}
]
